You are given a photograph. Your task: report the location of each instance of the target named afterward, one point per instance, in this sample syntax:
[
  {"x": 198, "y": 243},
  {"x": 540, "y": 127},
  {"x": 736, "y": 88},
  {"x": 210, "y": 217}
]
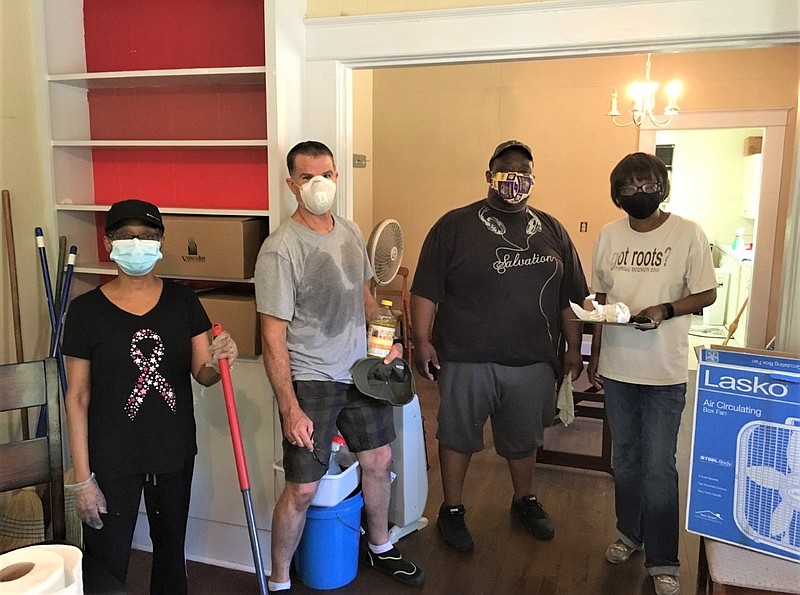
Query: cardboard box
[
  {"x": 211, "y": 247},
  {"x": 745, "y": 462},
  {"x": 236, "y": 312}
]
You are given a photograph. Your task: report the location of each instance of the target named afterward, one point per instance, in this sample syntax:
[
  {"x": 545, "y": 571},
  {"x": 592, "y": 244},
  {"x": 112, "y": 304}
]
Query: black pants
[{"x": 166, "y": 497}]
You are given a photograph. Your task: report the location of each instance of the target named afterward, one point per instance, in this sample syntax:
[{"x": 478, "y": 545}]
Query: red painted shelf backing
[
  {"x": 192, "y": 112},
  {"x": 164, "y": 34},
  {"x": 199, "y": 178}
]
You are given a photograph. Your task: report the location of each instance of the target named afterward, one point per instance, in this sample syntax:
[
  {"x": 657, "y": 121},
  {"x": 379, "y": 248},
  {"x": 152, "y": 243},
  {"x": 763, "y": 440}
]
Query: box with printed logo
[
  {"x": 744, "y": 480},
  {"x": 211, "y": 247}
]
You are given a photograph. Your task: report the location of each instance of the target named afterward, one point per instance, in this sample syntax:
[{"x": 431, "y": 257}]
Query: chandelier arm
[
  {"x": 614, "y": 120},
  {"x": 660, "y": 123}
]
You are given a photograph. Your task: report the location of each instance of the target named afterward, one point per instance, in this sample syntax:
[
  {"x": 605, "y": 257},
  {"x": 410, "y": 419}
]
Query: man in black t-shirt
[{"x": 494, "y": 282}]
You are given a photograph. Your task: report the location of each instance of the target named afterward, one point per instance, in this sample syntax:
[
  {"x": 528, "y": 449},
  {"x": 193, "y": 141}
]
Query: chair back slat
[
  {"x": 37, "y": 460},
  {"x": 22, "y": 385},
  {"x": 25, "y": 463}
]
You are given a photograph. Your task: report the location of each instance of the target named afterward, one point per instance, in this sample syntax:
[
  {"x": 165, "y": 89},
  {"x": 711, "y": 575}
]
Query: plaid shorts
[{"x": 365, "y": 423}]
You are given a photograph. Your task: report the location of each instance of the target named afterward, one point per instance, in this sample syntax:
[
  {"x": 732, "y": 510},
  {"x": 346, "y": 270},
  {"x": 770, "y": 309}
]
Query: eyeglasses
[
  {"x": 318, "y": 453},
  {"x": 157, "y": 237},
  {"x": 648, "y": 187}
]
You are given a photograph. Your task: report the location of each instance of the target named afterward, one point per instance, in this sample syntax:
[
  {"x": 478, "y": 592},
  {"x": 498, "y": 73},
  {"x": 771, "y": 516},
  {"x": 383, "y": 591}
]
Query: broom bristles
[
  {"x": 22, "y": 522},
  {"x": 74, "y": 525}
]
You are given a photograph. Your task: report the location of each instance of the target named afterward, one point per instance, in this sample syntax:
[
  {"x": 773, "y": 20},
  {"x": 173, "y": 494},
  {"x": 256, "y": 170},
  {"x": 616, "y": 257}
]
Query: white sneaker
[
  {"x": 666, "y": 584},
  {"x": 618, "y": 552}
]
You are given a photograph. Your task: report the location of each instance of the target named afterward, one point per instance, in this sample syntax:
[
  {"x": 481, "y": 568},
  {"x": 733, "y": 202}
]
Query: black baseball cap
[
  {"x": 133, "y": 209},
  {"x": 510, "y": 144}
]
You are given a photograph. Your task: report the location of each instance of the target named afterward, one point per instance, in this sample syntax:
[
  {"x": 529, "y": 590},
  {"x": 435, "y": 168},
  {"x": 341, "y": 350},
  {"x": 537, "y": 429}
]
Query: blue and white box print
[{"x": 744, "y": 481}]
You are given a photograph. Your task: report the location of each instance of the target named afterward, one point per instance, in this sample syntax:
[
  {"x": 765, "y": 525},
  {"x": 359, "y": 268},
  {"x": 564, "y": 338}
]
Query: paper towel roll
[{"x": 41, "y": 569}]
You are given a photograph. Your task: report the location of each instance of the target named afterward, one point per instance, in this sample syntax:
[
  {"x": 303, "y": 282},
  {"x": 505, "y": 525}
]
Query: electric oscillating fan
[
  {"x": 409, "y": 463},
  {"x": 385, "y": 250}
]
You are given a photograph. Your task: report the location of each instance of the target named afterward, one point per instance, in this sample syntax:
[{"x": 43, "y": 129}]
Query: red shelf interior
[
  {"x": 125, "y": 35},
  {"x": 210, "y": 178},
  {"x": 191, "y": 112},
  {"x": 165, "y": 34}
]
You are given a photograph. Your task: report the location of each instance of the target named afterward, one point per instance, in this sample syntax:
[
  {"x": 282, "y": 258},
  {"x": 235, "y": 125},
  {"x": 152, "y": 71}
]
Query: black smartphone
[{"x": 433, "y": 371}]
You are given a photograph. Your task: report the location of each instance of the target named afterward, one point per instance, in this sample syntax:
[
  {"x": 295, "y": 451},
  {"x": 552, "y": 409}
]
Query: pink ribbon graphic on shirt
[{"x": 149, "y": 377}]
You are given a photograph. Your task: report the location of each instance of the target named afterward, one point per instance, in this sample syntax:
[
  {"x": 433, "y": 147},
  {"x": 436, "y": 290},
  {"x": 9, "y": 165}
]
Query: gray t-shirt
[{"x": 316, "y": 283}]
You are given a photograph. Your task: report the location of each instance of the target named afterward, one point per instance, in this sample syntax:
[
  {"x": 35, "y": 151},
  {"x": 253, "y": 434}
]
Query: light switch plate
[{"x": 359, "y": 160}]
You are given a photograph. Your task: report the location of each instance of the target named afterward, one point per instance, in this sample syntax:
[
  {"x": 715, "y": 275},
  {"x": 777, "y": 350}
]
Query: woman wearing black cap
[{"x": 132, "y": 346}]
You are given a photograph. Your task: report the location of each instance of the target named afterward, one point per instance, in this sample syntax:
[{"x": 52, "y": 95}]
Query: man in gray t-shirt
[{"x": 313, "y": 296}]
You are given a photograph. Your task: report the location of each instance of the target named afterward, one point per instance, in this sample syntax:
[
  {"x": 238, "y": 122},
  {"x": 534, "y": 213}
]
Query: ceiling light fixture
[{"x": 643, "y": 101}]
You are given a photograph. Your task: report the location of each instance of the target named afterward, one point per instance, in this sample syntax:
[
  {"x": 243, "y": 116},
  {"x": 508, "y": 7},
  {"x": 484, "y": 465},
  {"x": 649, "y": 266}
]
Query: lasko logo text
[{"x": 754, "y": 385}]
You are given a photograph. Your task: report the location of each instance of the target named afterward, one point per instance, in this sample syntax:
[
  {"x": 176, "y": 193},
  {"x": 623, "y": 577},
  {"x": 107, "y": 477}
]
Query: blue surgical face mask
[{"x": 136, "y": 257}]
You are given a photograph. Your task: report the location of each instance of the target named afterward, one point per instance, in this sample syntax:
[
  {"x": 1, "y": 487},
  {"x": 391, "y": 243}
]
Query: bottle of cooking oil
[{"x": 382, "y": 326}]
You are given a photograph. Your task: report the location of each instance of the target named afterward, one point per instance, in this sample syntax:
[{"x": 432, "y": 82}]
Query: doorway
[
  {"x": 711, "y": 182},
  {"x": 771, "y": 125}
]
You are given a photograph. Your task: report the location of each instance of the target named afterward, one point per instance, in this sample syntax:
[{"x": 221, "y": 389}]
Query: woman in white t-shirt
[{"x": 659, "y": 264}]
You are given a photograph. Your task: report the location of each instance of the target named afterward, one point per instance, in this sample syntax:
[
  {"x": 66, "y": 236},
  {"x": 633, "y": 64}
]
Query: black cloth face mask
[{"x": 640, "y": 205}]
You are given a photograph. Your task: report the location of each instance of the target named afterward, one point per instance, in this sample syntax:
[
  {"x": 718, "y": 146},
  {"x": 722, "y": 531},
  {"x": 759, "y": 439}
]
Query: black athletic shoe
[
  {"x": 454, "y": 529},
  {"x": 392, "y": 563},
  {"x": 529, "y": 510}
]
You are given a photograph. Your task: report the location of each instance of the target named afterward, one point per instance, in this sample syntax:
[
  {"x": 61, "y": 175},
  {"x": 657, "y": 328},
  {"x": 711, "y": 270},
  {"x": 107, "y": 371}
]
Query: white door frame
[{"x": 774, "y": 123}]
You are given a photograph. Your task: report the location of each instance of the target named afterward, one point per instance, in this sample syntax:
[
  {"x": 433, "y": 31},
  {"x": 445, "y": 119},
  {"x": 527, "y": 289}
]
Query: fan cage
[
  {"x": 763, "y": 443},
  {"x": 385, "y": 250}
]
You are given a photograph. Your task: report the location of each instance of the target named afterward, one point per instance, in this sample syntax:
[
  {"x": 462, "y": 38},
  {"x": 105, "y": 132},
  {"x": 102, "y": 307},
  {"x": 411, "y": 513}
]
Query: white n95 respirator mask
[{"x": 318, "y": 194}]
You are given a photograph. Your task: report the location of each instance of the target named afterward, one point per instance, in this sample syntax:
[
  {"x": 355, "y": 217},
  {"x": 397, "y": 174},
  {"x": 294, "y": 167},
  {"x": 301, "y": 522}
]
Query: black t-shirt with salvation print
[
  {"x": 500, "y": 281},
  {"x": 141, "y": 414}
]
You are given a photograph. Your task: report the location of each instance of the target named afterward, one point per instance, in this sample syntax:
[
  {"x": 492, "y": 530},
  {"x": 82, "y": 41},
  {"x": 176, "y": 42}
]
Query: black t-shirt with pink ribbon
[{"x": 141, "y": 414}]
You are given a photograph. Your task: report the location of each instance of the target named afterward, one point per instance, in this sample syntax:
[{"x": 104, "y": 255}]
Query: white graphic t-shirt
[{"x": 645, "y": 269}]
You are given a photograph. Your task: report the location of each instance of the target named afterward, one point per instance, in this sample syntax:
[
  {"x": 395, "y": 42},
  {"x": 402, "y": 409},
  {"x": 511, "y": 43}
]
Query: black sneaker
[
  {"x": 453, "y": 528},
  {"x": 529, "y": 510},
  {"x": 392, "y": 563}
]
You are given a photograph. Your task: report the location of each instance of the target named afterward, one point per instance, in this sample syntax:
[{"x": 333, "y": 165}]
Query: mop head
[
  {"x": 22, "y": 522},
  {"x": 74, "y": 525}
]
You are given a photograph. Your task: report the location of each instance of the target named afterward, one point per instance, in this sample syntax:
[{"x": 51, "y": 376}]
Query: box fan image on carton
[
  {"x": 744, "y": 480},
  {"x": 211, "y": 247}
]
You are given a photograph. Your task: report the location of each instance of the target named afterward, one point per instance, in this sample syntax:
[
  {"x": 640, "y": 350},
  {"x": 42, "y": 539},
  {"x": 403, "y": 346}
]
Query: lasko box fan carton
[{"x": 744, "y": 481}]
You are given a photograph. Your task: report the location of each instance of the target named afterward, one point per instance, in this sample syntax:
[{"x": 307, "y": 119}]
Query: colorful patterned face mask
[{"x": 513, "y": 187}]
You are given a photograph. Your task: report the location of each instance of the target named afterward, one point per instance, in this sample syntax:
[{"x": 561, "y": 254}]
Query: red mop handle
[{"x": 233, "y": 416}]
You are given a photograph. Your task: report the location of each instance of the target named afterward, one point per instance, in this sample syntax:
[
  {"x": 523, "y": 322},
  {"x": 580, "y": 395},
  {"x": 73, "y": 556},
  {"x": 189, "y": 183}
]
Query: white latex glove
[
  {"x": 89, "y": 502},
  {"x": 223, "y": 346},
  {"x": 566, "y": 401}
]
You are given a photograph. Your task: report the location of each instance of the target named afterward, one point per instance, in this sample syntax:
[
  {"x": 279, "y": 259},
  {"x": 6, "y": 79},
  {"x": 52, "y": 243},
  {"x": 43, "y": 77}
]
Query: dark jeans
[
  {"x": 166, "y": 497},
  {"x": 644, "y": 424}
]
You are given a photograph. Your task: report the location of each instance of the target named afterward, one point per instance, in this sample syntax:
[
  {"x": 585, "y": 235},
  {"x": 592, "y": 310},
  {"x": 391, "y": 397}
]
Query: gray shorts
[
  {"x": 365, "y": 423},
  {"x": 520, "y": 400}
]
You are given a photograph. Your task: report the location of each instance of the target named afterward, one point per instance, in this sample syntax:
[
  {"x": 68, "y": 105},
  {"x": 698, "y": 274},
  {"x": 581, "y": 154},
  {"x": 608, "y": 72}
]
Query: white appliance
[
  {"x": 409, "y": 463},
  {"x": 714, "y": 315}
]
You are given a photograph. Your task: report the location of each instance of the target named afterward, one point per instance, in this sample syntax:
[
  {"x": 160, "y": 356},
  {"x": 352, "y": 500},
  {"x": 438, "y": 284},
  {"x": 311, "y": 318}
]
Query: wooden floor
[{"x": 506, "y": 559}]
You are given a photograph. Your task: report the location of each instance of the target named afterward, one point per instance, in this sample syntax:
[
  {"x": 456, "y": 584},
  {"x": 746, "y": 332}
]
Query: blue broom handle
[{"x": 48, "y": 287}]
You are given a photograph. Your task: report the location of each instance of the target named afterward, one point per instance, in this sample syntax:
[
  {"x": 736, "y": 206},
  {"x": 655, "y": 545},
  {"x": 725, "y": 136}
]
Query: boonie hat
[
  {"x": 133, "y": 209},
  {"x": 390, "y": 382},
  {"x": 510, "y": 144}
]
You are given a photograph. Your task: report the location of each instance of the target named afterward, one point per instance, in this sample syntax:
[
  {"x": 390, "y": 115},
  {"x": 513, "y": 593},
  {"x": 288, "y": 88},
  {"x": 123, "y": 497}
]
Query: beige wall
[
  {"x": 334, "y": 8},
  {"x": 362, "y": 144},
  {"x": 434, "y": 128},
  {"x": 21, "y": 174}
]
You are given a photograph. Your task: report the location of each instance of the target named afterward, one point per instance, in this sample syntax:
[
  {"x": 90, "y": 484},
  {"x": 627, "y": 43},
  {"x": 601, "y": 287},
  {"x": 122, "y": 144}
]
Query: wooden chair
[
  {"x": 725, "y": 569},
  {"x": 35, "y": 461},
  {"x": 401, "y": 309},
  {"x": 589, "y": 403}
]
